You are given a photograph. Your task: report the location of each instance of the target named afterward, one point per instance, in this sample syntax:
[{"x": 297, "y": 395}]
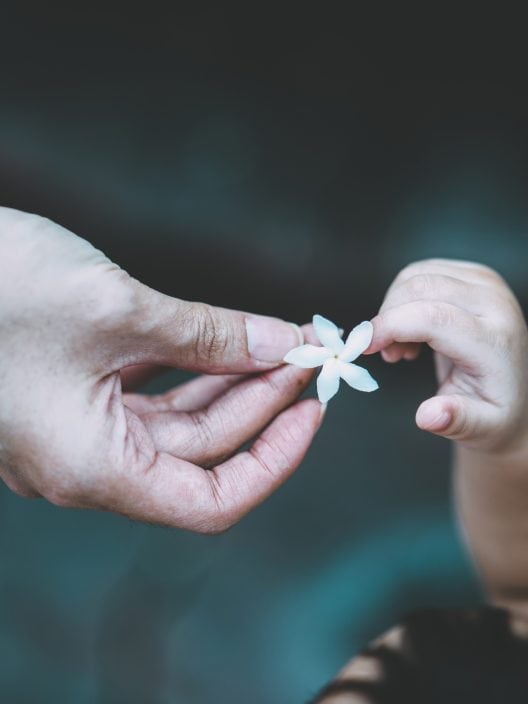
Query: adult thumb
[{"x": 201, "y": 337}]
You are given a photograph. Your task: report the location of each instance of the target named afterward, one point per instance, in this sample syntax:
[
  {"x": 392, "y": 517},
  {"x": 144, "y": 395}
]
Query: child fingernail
[
  {"x": 442, "y": 421},
  {"x": 429, "y": 417}
]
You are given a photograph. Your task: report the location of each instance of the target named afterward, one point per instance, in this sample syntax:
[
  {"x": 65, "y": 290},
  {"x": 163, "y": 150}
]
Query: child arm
[{"x": 468, "y": 315}]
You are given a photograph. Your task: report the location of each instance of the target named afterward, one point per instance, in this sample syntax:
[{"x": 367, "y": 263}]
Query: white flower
[{"x": 335, "y": 356}]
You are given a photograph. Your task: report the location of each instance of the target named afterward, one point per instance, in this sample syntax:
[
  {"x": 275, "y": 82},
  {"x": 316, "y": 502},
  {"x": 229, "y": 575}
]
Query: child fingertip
[
  {"x": 391, "y": 355},
  {"x": 387, "y": 355}
]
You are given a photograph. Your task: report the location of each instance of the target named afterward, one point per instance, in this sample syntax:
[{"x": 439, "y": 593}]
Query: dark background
[{"x": 286, "y": 159}]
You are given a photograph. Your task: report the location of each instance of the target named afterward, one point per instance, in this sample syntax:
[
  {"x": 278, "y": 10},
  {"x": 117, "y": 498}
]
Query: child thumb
[{"x": 455, "y": 417}]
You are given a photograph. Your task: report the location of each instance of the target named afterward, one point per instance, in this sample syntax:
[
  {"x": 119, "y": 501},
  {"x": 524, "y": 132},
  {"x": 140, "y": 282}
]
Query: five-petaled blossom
[{"x": 335, "y": 356}]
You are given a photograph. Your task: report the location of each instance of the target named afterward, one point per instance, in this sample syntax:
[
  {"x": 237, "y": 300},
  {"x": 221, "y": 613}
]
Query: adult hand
[{"x": 75, "y": 330}]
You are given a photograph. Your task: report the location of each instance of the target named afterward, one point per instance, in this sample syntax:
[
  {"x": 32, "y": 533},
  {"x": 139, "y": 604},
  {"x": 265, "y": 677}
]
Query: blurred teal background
[{"x": 286, "y": 161}]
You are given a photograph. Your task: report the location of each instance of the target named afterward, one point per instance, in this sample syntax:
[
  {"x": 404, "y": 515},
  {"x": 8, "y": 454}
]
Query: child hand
[{"x": 469, "y": 316}]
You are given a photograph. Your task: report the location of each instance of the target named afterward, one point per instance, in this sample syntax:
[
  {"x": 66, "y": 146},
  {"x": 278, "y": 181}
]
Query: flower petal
[
  {"x": 357, "y": 377},
  {"x": 357, "y": 342},
  {"x": 308, "y": 356},
  {"x": 328, "y": 380},
  {"x": 328, "y": 334}
]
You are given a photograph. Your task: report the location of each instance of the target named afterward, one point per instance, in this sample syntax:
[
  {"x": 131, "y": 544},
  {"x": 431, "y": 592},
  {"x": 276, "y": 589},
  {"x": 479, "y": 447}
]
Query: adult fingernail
[{"x": 270, "y": 339}]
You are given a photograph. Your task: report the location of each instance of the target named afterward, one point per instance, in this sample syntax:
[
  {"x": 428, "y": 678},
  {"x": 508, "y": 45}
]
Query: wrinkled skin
[{"x": 76, "y": 332}]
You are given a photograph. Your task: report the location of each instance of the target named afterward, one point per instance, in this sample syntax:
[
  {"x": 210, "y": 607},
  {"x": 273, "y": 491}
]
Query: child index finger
[{"x": 445, "y": 327}]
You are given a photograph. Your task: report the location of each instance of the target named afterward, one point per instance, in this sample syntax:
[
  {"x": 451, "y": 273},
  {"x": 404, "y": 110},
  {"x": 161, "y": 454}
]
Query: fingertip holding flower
[{"x": 336, "y": 357}]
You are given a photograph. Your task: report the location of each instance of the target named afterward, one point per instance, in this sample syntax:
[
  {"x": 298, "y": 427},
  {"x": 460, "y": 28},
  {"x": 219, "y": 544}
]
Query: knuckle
[
  {"x": 219, "y": 522},
  {"x": 504, "y": 336},
  {"x": 417, "y": 267},
  {"x": 216, "y": 526},
  {"x": 505, "y": 315},
  {"x": 419, "y": 285},
  {"x": 211, "y": 338},
  {"x": 222, "y": 515},
  {"x": 61, "y": 496},
  {"x": 18, "y": 485},
  {"x": 25, "y": 492},
  {"x": 439, "y": 314},
  {"x": 203, "y": 431},
  {"x": 505, "y": 325},
  {"x": 408, "y": 274},
  {"x": 412, "y": 269},
  {"x": 488, "y": 273},
  {"x": 272, "y": 385},
  {"x": 274, "y": 458},
  {"x": 509, "y": 315}
]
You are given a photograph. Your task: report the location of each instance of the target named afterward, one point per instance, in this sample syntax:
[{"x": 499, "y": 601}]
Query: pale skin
[
  {"x": 471, "y": 319},
  {"x": 77, "y": 332}
]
